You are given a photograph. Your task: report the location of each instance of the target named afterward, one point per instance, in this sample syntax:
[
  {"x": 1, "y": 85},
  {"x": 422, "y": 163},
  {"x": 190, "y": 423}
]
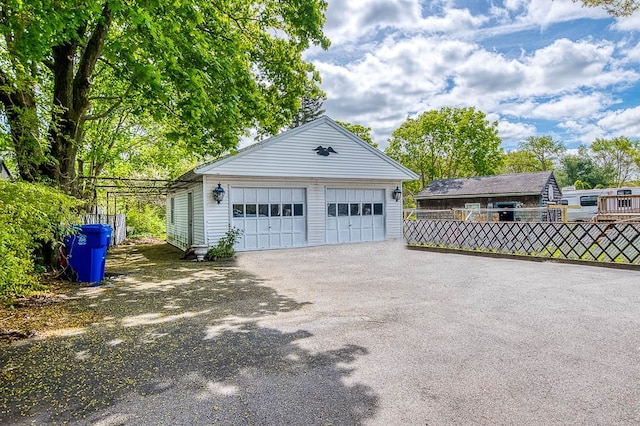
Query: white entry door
[
  {"x": 355, "y": 215},
  {"x": 269, "y": 217}
]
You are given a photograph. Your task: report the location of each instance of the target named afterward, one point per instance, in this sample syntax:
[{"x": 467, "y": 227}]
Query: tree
[
  {"x": 614, "y": 7},
  {"x": 544, "y": 149},
  {"x": 208, "y": 70},
  {"x": 620, "y": 155},
  {"x": 360, "y": 131},
  {"x": 310, "y": 109},
  {"x": 519, "y": 161},
  {"x": 580, "y": 170},
  {"x": 447, "y": 143}
]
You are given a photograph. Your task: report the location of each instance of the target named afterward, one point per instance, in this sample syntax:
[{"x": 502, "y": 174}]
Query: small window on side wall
[
  {"x": 173, "y": 210},
  {"x": 589, "y": 200}
]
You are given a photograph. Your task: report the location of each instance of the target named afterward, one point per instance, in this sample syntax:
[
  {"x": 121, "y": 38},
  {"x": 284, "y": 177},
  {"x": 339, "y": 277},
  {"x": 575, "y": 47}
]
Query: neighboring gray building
[
  {"x": 312, "y": 185},
  {"x": 521, "y": 189}
]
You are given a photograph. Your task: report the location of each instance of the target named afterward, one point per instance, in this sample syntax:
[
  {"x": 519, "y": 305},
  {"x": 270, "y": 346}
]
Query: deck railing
[
  {"x": 599, "y": 242},
  {"x": 618, "y": 208}
]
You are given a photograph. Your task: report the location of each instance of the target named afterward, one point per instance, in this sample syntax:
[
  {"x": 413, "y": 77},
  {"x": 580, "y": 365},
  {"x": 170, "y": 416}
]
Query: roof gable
[
  {"x": 304, "y": 152},
  {"x": 518, "y": 183}
]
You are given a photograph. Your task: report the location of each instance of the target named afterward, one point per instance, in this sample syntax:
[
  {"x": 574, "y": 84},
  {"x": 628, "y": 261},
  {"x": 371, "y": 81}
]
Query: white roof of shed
[{"x": 295, "y": 154}]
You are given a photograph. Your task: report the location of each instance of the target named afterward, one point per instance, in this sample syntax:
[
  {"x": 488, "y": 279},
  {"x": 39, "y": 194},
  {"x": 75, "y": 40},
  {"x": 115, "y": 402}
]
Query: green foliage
[
  {"x": 581, "y": 171},
  {"x": 224, "y": 249},
  {"x": 148, "y": 221},
  {"x": 544, "y": 149},
  {"x": 201, "y": 73},
  {"x": 360, "y": 131},
  {"x": 310, "y": 109},
  {"x": 30, "y": 215},
  {"x": 620, "y": 155},
  {"x": 447, "y": 143},
  {"x": 519, "y": 161}
]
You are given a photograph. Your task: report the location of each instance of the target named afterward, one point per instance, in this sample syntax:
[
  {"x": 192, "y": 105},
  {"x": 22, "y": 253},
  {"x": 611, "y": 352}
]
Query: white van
[{"x": 583, "y": 204}]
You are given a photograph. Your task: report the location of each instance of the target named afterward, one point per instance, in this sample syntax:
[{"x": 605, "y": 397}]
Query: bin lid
[{"x": 97, "y": 228}]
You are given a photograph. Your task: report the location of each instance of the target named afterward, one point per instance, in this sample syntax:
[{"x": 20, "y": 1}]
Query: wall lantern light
[
  {"x": 396, "y": 194},
  {"x": 218, "y": 193}
]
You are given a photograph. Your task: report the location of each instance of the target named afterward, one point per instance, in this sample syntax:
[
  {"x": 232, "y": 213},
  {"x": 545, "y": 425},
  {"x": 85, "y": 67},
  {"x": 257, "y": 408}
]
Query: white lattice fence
[{"x": 614, "y": 242}]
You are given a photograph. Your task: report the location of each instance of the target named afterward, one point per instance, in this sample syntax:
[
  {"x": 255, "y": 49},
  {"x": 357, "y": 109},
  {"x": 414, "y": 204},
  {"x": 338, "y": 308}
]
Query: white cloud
[
  {"x": 583, "y": 131},
  {"x": 350, "y": 21},
  {"x": 566, "y": 65},
  {"x": 394, "y": 58},
  {"x": 574, "y": 105},
  {"x": 622, "y": 122},
  {"x": 543, "y": 13},
  {"x": 629, "y": 23},
  {"x": 514, "y": 132},
  {"x": 632, "y": 53}
]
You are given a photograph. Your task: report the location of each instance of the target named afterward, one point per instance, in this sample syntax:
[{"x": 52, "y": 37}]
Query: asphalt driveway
[{"x": 344, "y": 335}]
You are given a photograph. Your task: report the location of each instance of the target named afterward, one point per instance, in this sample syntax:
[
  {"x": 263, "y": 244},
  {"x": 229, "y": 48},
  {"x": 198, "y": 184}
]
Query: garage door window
[
  {"x": 267, "y": 210},
  {"x": 354, "y": 209}
]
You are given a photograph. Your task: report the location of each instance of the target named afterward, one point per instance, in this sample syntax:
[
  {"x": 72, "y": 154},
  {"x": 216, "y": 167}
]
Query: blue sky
[{"x": 538, "y": 67}]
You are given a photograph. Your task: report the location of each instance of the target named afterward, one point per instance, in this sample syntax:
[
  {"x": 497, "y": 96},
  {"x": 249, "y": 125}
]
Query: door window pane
[
  {"x": 366, "y": 209},
  {"x": 298, "y": 210},
  {"x": 275, "y": 210},
  {"x": 251, "y": 210},
  {"x": 238, "y": 210},
  {"x": 377, "y": 209},
  {"x": 354, "y": 209},
  {"x": 263, "y": 210},
  {"x": 343, "y": 209},
  {"x": 287, "y": 210},
  {"x": 331, "y": 210}
]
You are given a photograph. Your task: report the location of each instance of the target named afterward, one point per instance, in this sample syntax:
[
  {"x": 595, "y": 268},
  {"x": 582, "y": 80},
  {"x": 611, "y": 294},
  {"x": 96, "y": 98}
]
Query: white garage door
[
  {"x": 269, "y": 217},
  {"x": 355, "y": 215}
]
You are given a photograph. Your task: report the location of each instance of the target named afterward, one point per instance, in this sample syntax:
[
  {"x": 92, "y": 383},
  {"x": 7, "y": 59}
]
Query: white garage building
[{"x": 312, "y": 185}]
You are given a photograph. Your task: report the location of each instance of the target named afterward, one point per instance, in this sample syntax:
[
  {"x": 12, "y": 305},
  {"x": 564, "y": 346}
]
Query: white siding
[
  {"x": 393, "y": 212},
  {"x": 292, "y": 155},
  {"x": 316, "y": 220},
  {"x": 218, "y": 216},
  {"x": 177, "y": 232},
  {"x": 198, "y": 216}
]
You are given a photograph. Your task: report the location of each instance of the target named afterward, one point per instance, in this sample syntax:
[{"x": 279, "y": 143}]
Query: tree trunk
[
  {"x": 29, "y": 155},
  {"x": 71, "y": 89}
]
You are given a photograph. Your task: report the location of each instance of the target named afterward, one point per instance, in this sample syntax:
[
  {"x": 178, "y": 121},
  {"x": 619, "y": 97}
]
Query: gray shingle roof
[{"x": 520, "y": 183}]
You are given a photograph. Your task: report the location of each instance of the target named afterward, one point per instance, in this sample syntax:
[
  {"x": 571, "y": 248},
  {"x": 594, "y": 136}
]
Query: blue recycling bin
[{"x": 87, "y": 251}]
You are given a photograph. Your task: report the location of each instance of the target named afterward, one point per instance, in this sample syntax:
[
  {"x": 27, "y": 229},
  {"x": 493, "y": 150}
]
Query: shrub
[
  {"x": 148, "y": 222},
  {"x": 224, "y": 249},
  {"x": 30, "y": 215}
]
